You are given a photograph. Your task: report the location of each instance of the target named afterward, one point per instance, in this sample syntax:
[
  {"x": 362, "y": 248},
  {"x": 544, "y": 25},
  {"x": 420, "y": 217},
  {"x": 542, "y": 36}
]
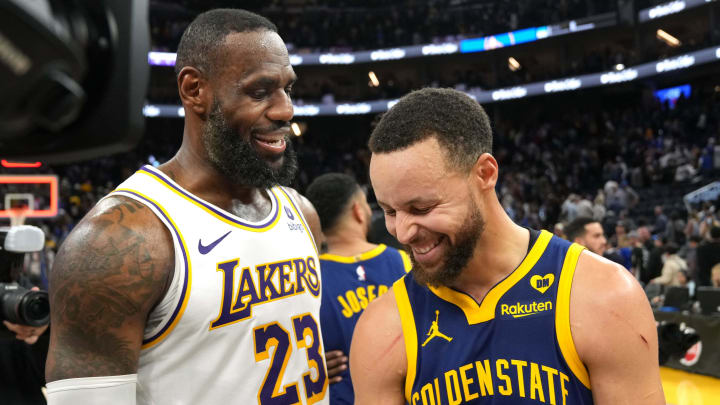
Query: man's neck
[
  {"x": 347, "y": 243},
  {"x": 500, "y": 250},
  {"x": 202, "y": 180}
]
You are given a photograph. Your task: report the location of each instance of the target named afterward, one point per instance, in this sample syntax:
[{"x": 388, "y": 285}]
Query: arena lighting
[
  {"x": 14, "y": 165},
  {"x": 669, "y": 8},
  {"x": 509, "y": 94},
  {"x": 629, "y": 74},
  {"x": 306, "y": 110},
  {"x": 681, "y": 62},
  {"x": 470, "y": 45},
  {"x": 562, "y": 85},
  {"x": 619, "y": 66},
  {"x": 374, "y": 82},
  {"x": 667, "y": 38},
  {"x": 513, "y": 64},
  {"x": 337, "y": 59}
]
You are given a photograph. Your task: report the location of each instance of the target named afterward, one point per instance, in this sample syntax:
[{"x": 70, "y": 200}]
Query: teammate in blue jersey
[
  {"x": 492, "y": 313},
  {"x": 354, "y": 271}
]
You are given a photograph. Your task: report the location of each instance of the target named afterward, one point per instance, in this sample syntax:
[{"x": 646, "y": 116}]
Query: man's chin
[{"x": 435, "y": 276}]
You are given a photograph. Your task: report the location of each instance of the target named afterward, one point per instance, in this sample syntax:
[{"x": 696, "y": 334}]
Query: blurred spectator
[
  {"x": 641, "y": 254},
  {"x": 620, "y": 239},
  {"x": 589, "y": 233},
  {"x": 672, "y": 265},
  {"x": 708, "y": 255},
  {"x": 689, "y": 252},
  {"x": 559, "y": 230},
  {"x": 684, "y": 280},
  {"x": 661, "y": 221},
  {"x": 715, "y": 276}
]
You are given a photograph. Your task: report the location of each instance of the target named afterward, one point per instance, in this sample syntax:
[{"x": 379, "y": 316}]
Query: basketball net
[{"x": 17, "y": 216}]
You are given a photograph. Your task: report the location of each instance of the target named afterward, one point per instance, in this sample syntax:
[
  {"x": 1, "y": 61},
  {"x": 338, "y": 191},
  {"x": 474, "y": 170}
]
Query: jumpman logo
[{"x": 435, "y": 332}]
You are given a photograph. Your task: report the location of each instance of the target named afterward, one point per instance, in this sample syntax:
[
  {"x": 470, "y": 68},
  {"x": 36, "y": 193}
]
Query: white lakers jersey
[{"x": 240, "y": 321}]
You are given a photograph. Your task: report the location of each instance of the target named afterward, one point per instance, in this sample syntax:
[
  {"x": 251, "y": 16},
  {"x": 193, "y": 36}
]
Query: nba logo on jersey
[
  {"x": 360, "y": 273},
  {"x": 289, "y": 213}
]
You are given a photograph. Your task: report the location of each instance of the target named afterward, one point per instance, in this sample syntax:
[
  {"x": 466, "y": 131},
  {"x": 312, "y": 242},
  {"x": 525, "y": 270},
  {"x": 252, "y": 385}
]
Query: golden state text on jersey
[
  {"x": 514, "y": 347},
  {"x": 240, "y": 320}
]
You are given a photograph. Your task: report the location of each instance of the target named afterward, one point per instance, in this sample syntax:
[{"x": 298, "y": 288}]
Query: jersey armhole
[
  {"x": 409, "y": 333},
  {"x": 407, "y": 263},
  {"x": 562, "y": 316},
  {"x": 176, "y": 298}
]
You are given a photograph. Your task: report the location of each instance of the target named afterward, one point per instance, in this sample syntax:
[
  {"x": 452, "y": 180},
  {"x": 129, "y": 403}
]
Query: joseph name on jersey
[
  {"x": 240, "y": 320},
  {"x": 350, "y": 283}
]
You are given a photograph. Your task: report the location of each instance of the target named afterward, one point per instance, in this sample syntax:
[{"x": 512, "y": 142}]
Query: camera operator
[{"x": 24, "y": 336}]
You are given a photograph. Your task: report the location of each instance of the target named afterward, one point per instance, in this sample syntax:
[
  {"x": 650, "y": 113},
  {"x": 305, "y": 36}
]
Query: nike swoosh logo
[{"x": 206, "y": 249}]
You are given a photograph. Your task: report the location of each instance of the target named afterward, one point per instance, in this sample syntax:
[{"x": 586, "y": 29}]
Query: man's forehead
[{"x": 254, "y": 46}]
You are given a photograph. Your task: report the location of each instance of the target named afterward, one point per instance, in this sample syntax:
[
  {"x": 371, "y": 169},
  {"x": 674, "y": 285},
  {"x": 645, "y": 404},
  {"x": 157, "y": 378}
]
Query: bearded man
[
  {"x": 492, "y": 312},
  {"x": 197, "y": 282}
]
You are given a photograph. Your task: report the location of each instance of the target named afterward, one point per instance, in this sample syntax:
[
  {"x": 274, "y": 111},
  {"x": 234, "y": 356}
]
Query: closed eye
[{"x": 420, "y": 210}]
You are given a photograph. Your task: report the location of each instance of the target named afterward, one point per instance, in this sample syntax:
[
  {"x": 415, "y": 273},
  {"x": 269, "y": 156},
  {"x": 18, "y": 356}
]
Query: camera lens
[
  {"x": 35, "y": 308},
  {"x": 24, "y": 307}
]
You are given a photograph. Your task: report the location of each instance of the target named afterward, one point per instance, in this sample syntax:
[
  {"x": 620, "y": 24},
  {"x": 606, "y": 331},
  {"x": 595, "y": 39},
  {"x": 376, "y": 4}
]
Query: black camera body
[
  {"x": 22, "y": 306},
  {"x": 17, "y": 304}
]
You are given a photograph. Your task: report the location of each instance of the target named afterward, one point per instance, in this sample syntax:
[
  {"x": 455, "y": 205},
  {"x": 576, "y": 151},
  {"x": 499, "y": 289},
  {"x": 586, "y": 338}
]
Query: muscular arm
[
  {"x": 615, "y": 335},
  {"x": 378, "y": 362},
  {"x": 110, "y": 272}
]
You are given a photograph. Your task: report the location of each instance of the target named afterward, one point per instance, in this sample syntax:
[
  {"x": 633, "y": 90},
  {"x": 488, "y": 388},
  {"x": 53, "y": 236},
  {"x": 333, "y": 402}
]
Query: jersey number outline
[{"x": 274, "y": 335}]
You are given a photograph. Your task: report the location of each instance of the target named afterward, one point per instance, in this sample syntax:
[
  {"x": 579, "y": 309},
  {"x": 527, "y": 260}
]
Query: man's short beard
[
  {"x": 236, "y": 159},
  {"x": 458, "y": 256}
]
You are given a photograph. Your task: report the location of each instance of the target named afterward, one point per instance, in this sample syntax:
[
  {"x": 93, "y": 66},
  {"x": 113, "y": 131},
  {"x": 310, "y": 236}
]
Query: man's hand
[
  {"x": 336, "y": 363},
  {"x": 28, "y": 334}
]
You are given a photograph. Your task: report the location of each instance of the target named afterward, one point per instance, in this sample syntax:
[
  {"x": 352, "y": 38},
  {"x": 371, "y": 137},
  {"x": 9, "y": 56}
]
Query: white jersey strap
[{"x": 114, "y": 389}]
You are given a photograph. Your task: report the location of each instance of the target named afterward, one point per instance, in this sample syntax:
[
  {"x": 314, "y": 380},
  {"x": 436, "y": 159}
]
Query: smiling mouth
[
  {"x": 421, "y": 250},
  {"x": 272, "y": 144}
]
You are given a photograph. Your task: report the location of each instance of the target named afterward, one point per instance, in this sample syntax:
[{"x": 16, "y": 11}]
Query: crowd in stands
[
  {"x": 628, "y": 167},
  {"x": 350, "y": 25},
  {"x": 322, "y": 25}
]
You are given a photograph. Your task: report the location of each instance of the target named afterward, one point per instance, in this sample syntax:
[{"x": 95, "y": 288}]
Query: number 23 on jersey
[{"x": 306, "y": 335}]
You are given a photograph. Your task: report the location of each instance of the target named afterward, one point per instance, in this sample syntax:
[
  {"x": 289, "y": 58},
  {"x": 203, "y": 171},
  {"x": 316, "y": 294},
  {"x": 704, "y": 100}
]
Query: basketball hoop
[{"x": 17, "y": 215}]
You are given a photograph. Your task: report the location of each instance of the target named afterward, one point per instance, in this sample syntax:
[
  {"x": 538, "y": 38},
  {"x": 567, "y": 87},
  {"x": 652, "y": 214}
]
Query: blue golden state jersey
[
  {"x": 349, "y": 284},
  {"x": 514, "y": 347},
  {"x": 239, "y": 323}
]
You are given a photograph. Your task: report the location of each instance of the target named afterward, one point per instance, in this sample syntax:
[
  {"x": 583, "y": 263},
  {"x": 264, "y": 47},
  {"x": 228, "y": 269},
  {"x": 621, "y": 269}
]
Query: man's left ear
[
  {"x": 357, "y": 212},
  {"x": 485, "y": 171}
]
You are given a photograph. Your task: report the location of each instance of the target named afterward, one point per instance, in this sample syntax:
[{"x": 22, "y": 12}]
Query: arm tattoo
[{"x": 104, "y": 283}]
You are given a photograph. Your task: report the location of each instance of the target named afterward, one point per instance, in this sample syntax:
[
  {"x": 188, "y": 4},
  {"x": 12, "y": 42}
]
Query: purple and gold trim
[
  {"x": 187, "y": 280},
  {"x": 216, "y": 212}
]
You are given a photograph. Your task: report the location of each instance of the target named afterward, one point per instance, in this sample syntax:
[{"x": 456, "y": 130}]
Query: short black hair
[
  {"x": 576, "y": 228},
  {"x": 330, "y": 194},
  {"x": 200, "y": 42},
  {"x": 715, "y": 232},
  {"x": 457, "y": 121},
  {"x": 671, "y": 248}
]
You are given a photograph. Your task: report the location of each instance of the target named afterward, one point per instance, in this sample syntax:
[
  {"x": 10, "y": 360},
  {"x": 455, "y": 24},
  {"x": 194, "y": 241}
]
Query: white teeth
[{"x": 426, "y": 249}]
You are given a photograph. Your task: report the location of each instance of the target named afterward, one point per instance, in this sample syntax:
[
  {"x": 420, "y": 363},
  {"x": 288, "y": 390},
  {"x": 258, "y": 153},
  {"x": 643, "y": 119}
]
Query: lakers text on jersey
[{"x": 240, "y": 321}]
